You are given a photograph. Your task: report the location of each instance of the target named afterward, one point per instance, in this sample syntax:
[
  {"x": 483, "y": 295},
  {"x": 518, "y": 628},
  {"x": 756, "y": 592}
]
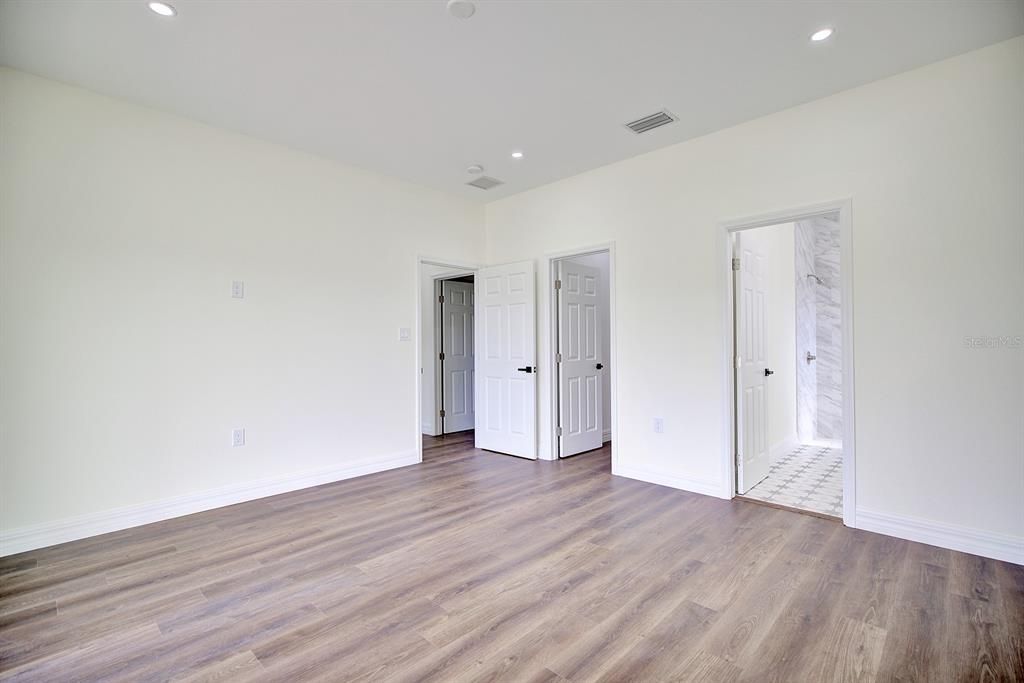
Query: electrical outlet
[
  {"x": 237, "y": 437},
  {"x": 659, "y": 425},
  {"x": 237, "y": 289}
]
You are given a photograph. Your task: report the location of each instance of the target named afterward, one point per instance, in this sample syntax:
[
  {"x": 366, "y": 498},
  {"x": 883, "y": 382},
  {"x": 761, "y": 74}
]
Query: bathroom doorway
[{"x": 788, "y": 354}]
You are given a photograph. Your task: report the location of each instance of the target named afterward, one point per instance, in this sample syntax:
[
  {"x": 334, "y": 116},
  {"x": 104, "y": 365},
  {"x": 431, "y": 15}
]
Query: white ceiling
[{"x": 403, "y": 88}]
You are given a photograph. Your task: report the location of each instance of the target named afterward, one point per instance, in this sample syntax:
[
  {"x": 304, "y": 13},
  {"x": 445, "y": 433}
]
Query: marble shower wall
[
  {"x": 819, "y": 331},
  {"x": 829, "y": 330},
  {"x": 806, "y": 334}
]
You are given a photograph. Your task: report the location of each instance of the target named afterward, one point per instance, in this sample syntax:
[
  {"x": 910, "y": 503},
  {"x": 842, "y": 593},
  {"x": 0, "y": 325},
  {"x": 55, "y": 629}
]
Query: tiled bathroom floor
[{"x": 810, "y": 478}]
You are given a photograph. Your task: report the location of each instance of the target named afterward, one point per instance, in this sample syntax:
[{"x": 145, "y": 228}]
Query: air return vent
[
  {"x": 484, "y": 182},
  {"x": 651, "y": 122}
]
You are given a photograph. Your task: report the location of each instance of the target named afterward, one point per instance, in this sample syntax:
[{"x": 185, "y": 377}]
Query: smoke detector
[
  {"x": 461, "y": 9},
  {"x": 475, "y": 169}
]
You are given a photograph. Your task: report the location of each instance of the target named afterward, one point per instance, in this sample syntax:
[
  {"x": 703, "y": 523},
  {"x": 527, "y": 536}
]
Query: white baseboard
[
  {"x": 707, "y": 488},
  {"x": 606, "y": 436},
  {"x": 984, "y": 543},
  {"x": 51, "y": 533}
]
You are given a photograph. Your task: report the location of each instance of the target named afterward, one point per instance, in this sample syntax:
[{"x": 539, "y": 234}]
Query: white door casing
[
  {"x": 457, "y": 346},
  {"x": 751, "y": 348},
  {"x": 579, "y": 343},
  {"x": 506, "y": 359}
]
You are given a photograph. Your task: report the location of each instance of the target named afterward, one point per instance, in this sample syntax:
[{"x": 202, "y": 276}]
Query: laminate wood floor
[{"x": 479, "y": 567}]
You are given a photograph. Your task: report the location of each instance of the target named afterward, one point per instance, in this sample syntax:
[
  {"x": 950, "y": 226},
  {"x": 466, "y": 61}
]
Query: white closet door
[
  {"x": 457, "y": 346},
  {"x": 579, "y": 343}
]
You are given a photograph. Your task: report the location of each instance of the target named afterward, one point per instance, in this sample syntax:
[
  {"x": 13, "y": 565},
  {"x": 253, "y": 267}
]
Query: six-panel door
[
  {"x": 457, "y": 345},
  {"x": 751, "y": 404},
  {"x": 579, "y": 342},
  {"x": 506, "y": 360}
]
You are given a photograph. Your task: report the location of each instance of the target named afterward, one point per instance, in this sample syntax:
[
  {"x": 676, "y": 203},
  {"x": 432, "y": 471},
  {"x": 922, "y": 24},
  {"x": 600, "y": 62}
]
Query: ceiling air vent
[
  {"x": 484, "y": 182},
  {"x": 651, "y": 122}
]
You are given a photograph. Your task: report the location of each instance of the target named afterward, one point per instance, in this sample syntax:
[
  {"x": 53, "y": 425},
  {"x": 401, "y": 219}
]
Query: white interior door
[
  {"x": 506, "y": 360},
  {"x": 457, "y": 347},
  {"x": 752, "y": 365},
  {"x": 580, "y": 367}
]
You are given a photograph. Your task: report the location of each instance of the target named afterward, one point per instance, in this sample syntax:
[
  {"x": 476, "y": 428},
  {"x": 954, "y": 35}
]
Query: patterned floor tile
[{"x": 809, "y": 478}]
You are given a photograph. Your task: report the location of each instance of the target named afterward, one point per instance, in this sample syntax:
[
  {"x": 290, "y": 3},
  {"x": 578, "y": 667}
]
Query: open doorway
[
  {"x": 791, "y": 388},
  {"x": 484, "y": 332},
  {"x": 446, "y": 355},
  {"x": 581, "y": 344},
  {"x": 454, "y": 361}
]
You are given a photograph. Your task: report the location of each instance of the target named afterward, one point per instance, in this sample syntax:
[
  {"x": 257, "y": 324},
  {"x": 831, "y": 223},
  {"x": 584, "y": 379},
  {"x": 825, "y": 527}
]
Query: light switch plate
[{"x": 404, "y": 334}]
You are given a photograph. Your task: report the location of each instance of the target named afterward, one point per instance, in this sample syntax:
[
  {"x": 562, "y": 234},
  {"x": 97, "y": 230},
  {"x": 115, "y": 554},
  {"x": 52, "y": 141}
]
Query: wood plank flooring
[{"x": 480, "y": 567}]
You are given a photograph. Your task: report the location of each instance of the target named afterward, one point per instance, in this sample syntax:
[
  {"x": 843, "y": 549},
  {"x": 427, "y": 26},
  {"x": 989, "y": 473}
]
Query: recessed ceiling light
[
  {"x": 461, "y": 9},
  {"x": 822, "y": 34},
  {"x": 163, "y": 9},
  {"x": 517, "y": 155}
]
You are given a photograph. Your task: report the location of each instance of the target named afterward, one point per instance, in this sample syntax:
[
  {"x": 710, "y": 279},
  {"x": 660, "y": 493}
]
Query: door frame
[
  {"x": 439, "y": 281},
  {"x": 458, "y": 269},
  {"x": 727, "y": 228},
  {"x": 550, "y": 302}
]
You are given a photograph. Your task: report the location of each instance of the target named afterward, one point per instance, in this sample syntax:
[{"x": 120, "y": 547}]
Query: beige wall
[
  {"x": 126, "y": 363},
  {"x": 933, "y": 160}
]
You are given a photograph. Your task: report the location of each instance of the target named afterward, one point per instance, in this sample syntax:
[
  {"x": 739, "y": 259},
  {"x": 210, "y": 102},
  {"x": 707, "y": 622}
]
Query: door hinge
[
  {"x": 558, "y": 431},
  {"x": 442, "y": 412},
  {"x": 440, "y": 298},
  {"x": 441, "y": 355},
  {"x": 558, "y": 357},
  {"x": 735, "y": 264},
  {"x": 558, "y": 284},
  {"x": 737, "y": 362}
]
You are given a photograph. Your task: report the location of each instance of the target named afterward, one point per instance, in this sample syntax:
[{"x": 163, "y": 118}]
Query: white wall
[
  {"x": 126, "y": 363},
  {"x": 776, "y": 243},
  {"x": 600, "y": 261},
  {"x": 934, "y": 162}
]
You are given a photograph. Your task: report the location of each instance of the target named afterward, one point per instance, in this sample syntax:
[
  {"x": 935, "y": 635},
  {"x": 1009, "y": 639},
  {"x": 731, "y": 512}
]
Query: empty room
[{"x": 480, "y": 340}]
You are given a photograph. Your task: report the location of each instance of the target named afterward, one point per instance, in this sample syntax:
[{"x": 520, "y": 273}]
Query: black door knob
[
  {"x": 600, "y": 366},
  {"x": 768, "y": 372},
  {"x": 528, "y": 368}
]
